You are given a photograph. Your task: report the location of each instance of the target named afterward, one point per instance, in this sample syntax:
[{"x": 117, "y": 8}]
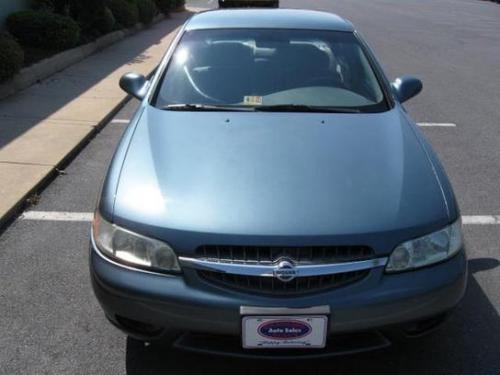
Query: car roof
[{"x": 268, "y": 19}]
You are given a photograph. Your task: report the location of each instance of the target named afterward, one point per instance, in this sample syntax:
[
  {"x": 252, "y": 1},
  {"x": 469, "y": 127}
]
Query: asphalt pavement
[{"x": 50, "y": 322}]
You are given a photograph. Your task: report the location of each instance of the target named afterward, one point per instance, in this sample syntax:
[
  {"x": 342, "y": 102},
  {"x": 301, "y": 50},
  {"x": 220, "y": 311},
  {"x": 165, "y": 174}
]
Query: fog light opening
[
  {"x": 424, "y": 326},
  {"x": 139, "y": 328}
]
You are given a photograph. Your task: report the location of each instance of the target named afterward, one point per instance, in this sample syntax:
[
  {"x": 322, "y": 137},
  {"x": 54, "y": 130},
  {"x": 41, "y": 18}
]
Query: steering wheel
[{"x": 323, "y": 79}]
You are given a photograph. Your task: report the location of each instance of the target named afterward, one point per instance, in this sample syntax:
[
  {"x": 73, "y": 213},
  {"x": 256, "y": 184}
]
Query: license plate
[{"x": 284, "y": 332}]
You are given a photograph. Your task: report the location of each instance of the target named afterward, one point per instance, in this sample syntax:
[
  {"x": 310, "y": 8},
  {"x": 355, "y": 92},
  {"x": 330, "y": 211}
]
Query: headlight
[
  {"x": 427, "y": 250},
  {"x": 132, "y": 248}
]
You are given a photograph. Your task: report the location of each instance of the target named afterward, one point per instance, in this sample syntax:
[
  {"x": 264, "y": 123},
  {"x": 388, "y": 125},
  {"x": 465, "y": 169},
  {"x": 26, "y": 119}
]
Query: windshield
[{"x": 271, "y": 68}]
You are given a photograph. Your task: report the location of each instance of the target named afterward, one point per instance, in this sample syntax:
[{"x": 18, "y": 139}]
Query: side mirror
[
  {"x": 134, "y": 84},
  {"x": 406, "y": 87}
]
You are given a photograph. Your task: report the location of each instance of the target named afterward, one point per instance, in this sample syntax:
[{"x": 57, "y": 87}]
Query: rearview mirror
[
  {"x": 406, "y": 87},
  {"x": 134, "y": 84}
]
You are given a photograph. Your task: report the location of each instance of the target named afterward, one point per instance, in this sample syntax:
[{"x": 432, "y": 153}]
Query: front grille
[
  {"x": 271, "y": 285},
  {"x": 269, "y": 254},
  {"x": 261, "y": 255}
]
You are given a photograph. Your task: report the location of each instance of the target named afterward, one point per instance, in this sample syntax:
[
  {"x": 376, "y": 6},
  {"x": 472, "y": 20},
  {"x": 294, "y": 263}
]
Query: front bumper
[{"x": 188, "y": 304}]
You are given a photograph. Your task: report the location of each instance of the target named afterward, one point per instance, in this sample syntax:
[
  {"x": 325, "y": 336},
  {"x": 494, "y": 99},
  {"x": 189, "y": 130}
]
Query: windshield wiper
[
  {"x": 304, "y": 108},
  {"x": 206, "y": 108},
  {"x": 261, "y": 108}
]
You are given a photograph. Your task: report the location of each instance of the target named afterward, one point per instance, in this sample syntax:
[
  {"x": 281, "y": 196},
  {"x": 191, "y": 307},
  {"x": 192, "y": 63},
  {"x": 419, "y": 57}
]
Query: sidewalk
[{"x": 44, "y": 124}]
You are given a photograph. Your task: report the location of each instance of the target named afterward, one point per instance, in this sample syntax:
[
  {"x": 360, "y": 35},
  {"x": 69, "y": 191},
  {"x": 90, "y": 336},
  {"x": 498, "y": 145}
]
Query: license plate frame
[{"x": 284, "y": 332}]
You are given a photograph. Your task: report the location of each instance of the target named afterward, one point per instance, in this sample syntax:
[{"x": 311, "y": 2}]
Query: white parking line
[
  {"x": 119, "y": 121},
  {"x": 57, "y": 216},
  {"x": 481, "y": 220},
  {"x": 88, "y": 216},
  {"x": 437, "y": 124}
]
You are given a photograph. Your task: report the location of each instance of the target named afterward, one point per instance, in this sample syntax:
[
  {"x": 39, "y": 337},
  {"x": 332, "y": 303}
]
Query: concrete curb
[
  {"x": 25, "y": 201},
  {"x": 47, "y": 67},
  {"x": 49, "y": 172}
]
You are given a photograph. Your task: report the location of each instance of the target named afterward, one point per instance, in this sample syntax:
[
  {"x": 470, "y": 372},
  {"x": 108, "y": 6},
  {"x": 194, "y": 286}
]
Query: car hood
[{"x": 277, "y": 174}]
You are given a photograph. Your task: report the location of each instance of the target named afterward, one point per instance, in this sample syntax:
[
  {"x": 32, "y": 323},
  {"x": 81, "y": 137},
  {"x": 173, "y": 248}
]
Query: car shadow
[{"x": 467, "y": 343}]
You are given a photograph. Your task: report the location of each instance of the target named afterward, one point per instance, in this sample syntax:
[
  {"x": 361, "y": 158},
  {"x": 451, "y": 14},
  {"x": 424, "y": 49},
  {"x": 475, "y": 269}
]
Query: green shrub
[
  {"x": 44, "y": 29},
  {"x": 11, "y": 56},
  {"x": 42, "y": 4},
  {"x": 147, "y": 11},
  {"x": 126, "y": 13},
  {"x": 93, "y": 17},
  {"x": 176, "y": 4},
  {"x": 164, "y": 6},
  {"x": 56, "y": 6},
  {"x": 179, "y": 3},
  {"x": 105, "y": 21}
]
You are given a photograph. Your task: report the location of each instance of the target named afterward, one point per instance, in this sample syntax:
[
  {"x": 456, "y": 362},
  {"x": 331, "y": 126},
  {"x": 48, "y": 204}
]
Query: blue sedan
[{"x": 272, "y": 197}]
